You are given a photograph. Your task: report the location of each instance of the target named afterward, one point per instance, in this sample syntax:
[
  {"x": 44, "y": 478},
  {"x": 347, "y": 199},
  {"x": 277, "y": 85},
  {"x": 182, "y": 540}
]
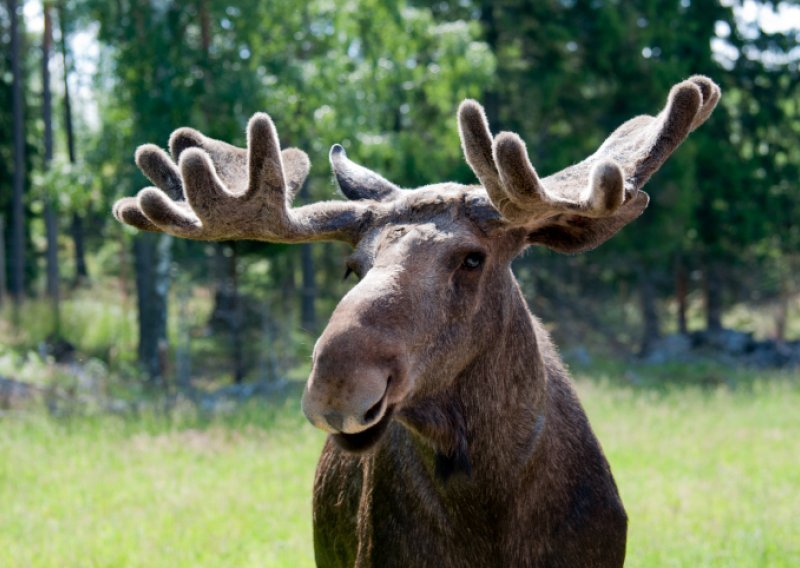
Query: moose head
[{"x": 435, "y": 286}]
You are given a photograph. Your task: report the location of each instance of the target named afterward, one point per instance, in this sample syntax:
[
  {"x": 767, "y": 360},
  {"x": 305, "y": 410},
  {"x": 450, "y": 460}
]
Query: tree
[
  {"x": 50, "y": 215},
  {"x": 145, "y": 42},
  {"x": 18, "y": 211},
  {"x": 76, "y": 226}
]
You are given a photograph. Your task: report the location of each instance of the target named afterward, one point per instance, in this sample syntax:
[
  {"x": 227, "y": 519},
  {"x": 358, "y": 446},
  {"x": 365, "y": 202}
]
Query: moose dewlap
[{"x": 456, "y": 438}]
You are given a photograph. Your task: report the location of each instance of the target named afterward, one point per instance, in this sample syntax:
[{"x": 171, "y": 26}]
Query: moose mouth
[{"x": 365, "y": 440}]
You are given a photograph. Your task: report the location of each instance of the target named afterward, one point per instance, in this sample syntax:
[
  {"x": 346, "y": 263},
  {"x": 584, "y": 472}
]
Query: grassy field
[{"x": 710, "y": 477}]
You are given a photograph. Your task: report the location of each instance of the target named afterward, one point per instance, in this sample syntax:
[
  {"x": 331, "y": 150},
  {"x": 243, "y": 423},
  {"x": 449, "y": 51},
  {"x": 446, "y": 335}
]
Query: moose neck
[{"x": 490, "y": 421}]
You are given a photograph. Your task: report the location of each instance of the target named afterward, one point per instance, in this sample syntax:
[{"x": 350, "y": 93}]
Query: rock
[
  {"x": 227, "y": 398},
  {"x": 13, "y": 392},
  {"x": 774, "y": 354},
  {"x": 728, "y": 341},
  {"x": 727, "y": 346},
  {"x": 675, "y": 347}
]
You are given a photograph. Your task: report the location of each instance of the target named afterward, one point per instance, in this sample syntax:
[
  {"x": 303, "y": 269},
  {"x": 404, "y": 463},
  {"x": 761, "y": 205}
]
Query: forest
[
  {"x": 717, "y": 248},
  {"x": 701, "y": 292}
]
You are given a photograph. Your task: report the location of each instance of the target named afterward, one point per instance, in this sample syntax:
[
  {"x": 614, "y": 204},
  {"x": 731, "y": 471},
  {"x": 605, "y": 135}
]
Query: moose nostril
[
  {"x": 370, "y": 415},
  {"x": 335, "y": 420},
  {"x": 372, "y": 412}
]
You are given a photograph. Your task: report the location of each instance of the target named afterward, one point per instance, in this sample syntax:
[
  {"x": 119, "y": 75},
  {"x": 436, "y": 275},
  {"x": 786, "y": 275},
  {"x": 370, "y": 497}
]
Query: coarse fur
[
  {"x": 456, "y": 437},
  {"x": 489, "y": 459}
]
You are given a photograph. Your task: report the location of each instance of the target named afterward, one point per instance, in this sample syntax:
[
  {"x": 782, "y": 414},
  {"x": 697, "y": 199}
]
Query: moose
[{"x": 456, "y": 438}]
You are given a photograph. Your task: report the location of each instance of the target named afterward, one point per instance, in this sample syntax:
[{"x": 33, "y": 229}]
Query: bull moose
[{"x": 456, "y": 438}]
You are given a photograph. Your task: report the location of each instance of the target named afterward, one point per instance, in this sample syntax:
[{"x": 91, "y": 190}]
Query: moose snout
[
  {"x": 352, "y": 383},
  {"x": 350, "y": 410}
]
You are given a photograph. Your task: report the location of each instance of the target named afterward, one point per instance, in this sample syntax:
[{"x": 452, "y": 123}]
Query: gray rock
[
  {"x": 727, "y": 346},
  {"x": 675, "y": 347},
  {"x": 14, "y": 393}
]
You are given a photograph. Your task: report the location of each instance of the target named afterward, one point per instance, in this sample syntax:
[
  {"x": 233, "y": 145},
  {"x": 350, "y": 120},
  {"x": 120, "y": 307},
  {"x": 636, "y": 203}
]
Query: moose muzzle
[
  {"x": 354, "y": 380},
  {"x": 360, "y": 369}
]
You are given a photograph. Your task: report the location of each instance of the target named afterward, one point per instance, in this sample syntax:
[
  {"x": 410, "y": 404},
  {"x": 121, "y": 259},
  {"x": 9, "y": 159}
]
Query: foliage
[
  {"x": 98, "y": 327},
  {"x": 384, "y": 79}
]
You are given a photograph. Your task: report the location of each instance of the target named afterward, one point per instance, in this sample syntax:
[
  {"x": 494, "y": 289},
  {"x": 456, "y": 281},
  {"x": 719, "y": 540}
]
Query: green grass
[
  {"x": 108, "y": 492},
  {"x": 96, "y": 321},
  {"x": 710, "y": 477}
]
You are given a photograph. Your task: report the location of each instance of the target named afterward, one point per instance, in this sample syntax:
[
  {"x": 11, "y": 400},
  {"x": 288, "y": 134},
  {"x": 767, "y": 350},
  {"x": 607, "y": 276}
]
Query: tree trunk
[
  {"x": 53, "y": 288},
  {"x": 267, "y": 357},
  {"x": 782, "y": 312},
  {"x": 227, "y": 312},
  {"x": 3, "y": 291},
  {"x": 651, "y": 329},
  {"x": 308, "y": 296},
  {"x": 205, "y": 29},
  {"x": 491, "y": 33},
  {"x": 76, "y": 226},
  {"x": 50, "y": 215},
  {"x": 79, "y": 250},
  {"x": 183, "y": 352},
  {"x": 223, "y": 293},
  {"x": 681, "y": 294},
  {"x": 713, "y": 293},
  {"x": 236, "y": 317},
  {"x": 17, "y": 207},
  {"x": 780, "y": 318},
  {"x": 308, "y": 291},
  {"x": 287, "y": 281},
  {"x": 152, "y": 260}
]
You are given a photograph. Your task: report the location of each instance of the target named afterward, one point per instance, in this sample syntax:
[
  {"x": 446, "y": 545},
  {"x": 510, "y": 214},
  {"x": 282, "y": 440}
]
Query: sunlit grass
[
  {"x": 710, "y": 477},
  {"x": 758, "y": 318},
  {"x": 107, "y": 492},
  {"x": 101, "y": 323},
  {"x": 98, "y": 322}
]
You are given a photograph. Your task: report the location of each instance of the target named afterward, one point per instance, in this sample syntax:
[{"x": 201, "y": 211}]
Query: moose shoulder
[{"x": 456, "y": 438}]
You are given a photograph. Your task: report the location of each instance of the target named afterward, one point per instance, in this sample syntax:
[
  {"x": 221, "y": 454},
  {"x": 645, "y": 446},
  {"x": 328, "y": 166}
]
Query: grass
[
  {"x": 99, "y": 323},
  {"x": 710, "y": 477},
  {"x": 104, "y": 491}
]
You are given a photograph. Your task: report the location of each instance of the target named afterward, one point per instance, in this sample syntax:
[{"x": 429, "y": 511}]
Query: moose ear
[
  {"x": 573, "y": 233},
  {"x": 358, "y": 182}
]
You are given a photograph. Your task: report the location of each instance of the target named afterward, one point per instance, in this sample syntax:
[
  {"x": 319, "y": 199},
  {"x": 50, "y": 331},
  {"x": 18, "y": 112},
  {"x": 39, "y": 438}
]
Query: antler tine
[
  {"x": 511, "y": 181},
  {"x": 204, "y": 196},
  {"x": 601, "y": 184},
  {"x": 476, "y": 141},
  {"x": 126, "y": 210},
  {"x": 600, "y": 197},
  {"x": 230, "y": 162},
  {"x": 711, "y": 95},
  {"x": 645, "y": 142}
]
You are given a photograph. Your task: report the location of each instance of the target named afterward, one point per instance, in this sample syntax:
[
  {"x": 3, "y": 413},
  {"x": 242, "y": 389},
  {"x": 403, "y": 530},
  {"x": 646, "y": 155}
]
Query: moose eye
[{"x": 473, "y": 260}]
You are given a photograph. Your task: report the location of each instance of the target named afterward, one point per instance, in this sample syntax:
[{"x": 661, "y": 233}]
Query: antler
[
  {"x": 584, "y": 204},
  {"x": 221, "y": 192}
]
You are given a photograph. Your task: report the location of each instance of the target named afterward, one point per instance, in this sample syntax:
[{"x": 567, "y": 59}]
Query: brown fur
[
  {"x": 489, "y": 460},
  {"x": 456, "y": 437}
]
